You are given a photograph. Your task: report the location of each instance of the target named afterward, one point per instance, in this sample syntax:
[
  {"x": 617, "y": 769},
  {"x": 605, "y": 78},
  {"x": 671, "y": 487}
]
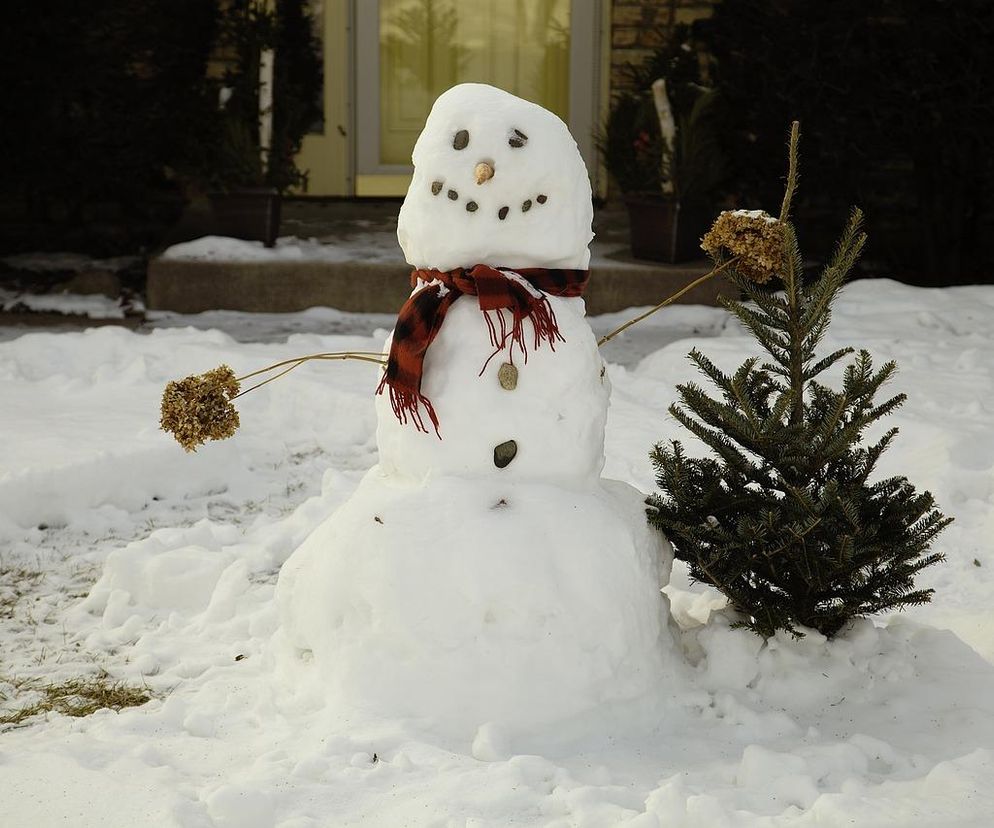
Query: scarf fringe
[
  {"x": 407, "y": 405},
  {"x": 544, "y": 324},
  {"x": 521, "y": 293}
]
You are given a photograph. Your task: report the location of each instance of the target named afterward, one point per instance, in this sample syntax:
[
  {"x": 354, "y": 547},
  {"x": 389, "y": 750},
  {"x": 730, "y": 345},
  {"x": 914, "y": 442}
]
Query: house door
[{"x": 407, "y": 52}]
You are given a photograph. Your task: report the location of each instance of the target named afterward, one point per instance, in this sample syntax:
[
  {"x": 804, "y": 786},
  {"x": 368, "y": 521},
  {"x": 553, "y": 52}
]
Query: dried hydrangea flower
[
  {"x": 756, "y": 238},
  {"x": 198, "y": 408}
]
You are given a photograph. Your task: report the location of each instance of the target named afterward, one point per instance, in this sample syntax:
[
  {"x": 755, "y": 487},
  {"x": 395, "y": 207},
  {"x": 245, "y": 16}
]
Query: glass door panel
[
  {"x": 407, "y": 52},
  {"x": 426, "y": 46}
]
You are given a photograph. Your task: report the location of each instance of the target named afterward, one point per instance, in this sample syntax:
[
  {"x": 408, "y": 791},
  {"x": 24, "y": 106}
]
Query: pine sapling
[{"x": 787, "y": 518}]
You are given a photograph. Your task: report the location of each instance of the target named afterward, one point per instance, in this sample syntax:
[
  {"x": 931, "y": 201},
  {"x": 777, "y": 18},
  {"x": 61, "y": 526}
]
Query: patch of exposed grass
[
  {"x": 76, "y": 697},
  {"x": 15, "y": 583}
]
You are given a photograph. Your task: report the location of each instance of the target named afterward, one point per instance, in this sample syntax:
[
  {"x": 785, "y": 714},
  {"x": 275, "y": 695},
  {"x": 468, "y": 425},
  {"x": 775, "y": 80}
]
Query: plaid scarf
[{"x": 523, "y": 292}]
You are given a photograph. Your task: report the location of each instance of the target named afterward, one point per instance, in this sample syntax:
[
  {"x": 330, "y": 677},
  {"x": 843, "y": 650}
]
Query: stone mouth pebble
[{"x": 473, "y": 206}]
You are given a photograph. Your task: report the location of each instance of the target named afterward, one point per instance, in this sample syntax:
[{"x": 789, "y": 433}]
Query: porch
[{"x": 345, "y": 255}]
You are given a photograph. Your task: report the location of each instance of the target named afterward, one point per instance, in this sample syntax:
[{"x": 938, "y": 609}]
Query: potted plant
[
  {"x": 661, "y": 146},
  {"x": 268, "y": 99}
]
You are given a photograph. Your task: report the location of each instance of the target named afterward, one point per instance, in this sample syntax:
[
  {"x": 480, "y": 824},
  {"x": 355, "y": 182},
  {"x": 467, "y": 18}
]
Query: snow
[
  {"x": 448, "y": 220},
  {"x": 160, "y": 567},
  {"x": 366, "y": 247},
  {"x": 754, "y": 214},
  {"x": 273, "y": 327},
  {"x": 495, "y": 595},
  {"x": 480, "y": 599},
  {"x": 555, "y": 414},
  {"x": 373, "y": 246},
  {"x": 93, "y": 306}
]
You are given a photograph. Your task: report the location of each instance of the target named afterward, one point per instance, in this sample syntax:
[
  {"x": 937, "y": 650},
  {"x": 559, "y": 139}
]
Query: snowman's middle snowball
[
  {"x": 556, "y": 412},
  {"x": 523, "y": 294}
]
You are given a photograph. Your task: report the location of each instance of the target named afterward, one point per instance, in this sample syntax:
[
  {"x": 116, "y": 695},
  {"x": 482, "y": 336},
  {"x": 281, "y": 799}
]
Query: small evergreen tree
[{"x": 786, "y": 521}]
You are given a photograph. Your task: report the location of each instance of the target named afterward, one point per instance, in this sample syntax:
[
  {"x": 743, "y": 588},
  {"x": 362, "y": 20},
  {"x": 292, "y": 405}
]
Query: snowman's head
[{"x": 499, "y": 181}]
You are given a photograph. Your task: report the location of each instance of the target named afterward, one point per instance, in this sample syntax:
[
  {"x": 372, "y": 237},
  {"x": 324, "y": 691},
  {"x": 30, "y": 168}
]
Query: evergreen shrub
[{"x": 788, "y": 518}]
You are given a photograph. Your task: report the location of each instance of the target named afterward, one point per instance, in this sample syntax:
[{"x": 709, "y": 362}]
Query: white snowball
[
  {"x": 556, "y": 414},
  {"x": 436, "y": 231},
  {"x": 479, "y": 601}
]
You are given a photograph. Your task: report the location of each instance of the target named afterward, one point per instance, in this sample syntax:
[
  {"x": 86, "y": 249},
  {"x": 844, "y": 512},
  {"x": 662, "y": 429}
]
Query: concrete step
[{"x": 193, "y": 286}]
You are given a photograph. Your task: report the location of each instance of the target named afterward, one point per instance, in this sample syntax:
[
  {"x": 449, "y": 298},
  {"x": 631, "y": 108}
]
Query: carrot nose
[{"x": 483, "y": 172}]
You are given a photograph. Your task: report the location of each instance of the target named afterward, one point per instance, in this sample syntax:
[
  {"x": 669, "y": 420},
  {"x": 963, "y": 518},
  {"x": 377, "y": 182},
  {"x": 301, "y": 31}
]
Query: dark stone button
[
  {"x": 542, "y": 199},
  {"x": 453, "y": 195},
  {"x": 526, "y": 206},
  {"x": 461, "y": 141},
  {"x": 504, "y": 453},
  {"x": 436, "y": 187},
  {"x": 471, "y": 206},
  {"x": 502, "y": 213}
]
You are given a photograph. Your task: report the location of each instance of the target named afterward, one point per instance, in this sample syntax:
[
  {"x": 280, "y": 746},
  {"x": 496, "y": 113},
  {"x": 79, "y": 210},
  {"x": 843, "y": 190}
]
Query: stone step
[{"x": 193, "y": 286}]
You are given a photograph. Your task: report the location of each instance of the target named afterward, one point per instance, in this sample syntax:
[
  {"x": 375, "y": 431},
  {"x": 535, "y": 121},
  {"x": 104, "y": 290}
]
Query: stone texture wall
[{"x": 637, "y": 26}]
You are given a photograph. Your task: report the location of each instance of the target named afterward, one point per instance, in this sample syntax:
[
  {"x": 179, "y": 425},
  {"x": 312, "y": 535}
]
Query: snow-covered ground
[
  {"x": 376, "y": 245},
  {"x": 118, "y": 552},
  {"x": 94, "y": 306},
  {"x": 373, "y": 246}
]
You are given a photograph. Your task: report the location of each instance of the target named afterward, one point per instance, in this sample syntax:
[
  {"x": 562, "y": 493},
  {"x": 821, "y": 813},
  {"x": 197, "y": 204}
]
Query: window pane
[{"x": 426, "y": 46}]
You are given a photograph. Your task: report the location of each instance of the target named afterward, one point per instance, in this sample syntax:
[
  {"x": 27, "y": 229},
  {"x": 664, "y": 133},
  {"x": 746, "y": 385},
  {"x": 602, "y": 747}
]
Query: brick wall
[{"x": 637, "y": 26}]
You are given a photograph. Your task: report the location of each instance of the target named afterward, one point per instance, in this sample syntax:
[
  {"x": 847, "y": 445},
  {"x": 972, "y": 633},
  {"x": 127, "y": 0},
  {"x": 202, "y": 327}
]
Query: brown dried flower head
[
  {"x": 198, "y": 408},
  {"x": 755, "y": 237}
]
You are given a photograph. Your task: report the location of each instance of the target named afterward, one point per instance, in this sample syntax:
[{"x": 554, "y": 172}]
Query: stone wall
[{"x": 638, "y": 26}]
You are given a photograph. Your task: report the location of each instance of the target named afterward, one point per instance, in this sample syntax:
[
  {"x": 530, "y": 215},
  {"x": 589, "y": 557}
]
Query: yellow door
[
  {"x": 410, "y": 51},
  {"x": 385, "y": 62},
  {"x": 426, "y": 46}
]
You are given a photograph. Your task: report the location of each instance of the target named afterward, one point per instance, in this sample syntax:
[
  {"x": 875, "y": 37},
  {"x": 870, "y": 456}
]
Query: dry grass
[
  {"x": 75, "y": 697},
  {"x": 15, "y": 583}
]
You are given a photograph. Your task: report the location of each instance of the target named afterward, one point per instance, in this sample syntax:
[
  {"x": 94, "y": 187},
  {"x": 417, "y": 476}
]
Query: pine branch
[
  {"x": 723, "y": 418},
  {"x": 710, "y": 370},
  {"x": 792, "y": 171},
  {"x": 826, "y": 363},
  {"x": 873, "y": 455},
  {"x": 773, "y": 342},
  {"x": 825, "y": 289}
]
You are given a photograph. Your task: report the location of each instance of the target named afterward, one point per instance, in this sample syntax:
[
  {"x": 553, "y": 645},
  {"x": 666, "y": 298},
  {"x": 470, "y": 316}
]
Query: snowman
[{"x": 483, "y": 570}]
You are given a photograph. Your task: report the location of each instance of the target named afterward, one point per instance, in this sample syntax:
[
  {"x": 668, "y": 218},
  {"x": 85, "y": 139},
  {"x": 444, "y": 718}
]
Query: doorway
[{"x": 406, "y": 52}]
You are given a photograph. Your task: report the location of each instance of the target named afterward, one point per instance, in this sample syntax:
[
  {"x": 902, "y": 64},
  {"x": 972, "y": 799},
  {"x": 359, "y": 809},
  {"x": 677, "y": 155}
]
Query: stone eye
[
  {"x": 461, "y": 141},
  {"x": 518, "y": 139}
]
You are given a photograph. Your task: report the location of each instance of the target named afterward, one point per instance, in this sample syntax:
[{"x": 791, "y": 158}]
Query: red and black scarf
[{"x": 522, "y": 292}]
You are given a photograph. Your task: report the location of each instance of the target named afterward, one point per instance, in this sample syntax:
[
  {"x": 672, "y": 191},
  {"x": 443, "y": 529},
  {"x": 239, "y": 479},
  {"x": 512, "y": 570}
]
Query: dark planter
[
  {"x": 664, "y": 229},
  {"x": 252, "y": 213}
]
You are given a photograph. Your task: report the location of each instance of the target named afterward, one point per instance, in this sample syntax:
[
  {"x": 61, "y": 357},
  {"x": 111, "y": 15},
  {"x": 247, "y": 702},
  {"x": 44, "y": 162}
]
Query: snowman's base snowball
[{"x": 479, "y": 600}]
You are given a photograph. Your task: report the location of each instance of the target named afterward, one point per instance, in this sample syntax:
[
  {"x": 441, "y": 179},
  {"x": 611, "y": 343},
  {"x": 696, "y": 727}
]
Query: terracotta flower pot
[
  {"x": 251, "y": 213},
  {"x": 664, "y": 229}
]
